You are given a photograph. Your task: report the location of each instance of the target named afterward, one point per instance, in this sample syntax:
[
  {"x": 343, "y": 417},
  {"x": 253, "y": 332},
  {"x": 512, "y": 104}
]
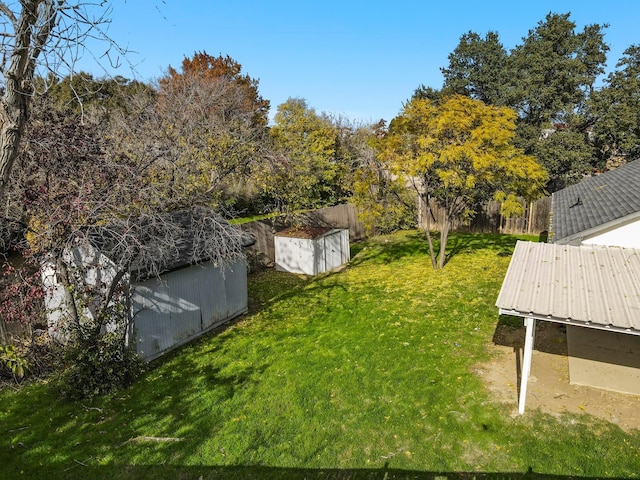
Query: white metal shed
[
  {"x": 311, "y": 250},
  {"x": 189, "y": 296},
  {"x": 185, "y": 303}
]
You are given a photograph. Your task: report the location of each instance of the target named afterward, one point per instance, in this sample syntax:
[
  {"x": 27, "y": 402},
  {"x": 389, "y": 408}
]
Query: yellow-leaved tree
[{"x": 456, "y": 154}]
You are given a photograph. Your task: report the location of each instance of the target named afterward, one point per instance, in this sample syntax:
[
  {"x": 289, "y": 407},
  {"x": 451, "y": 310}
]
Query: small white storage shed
[{"x": 311, "y": 250}]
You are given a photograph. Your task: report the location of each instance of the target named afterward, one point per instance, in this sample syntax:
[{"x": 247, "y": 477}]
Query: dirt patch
[{"x": 549, "y": 389}]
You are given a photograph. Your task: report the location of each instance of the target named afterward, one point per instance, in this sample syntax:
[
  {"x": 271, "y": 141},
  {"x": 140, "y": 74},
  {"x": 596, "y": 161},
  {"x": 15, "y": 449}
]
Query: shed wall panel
[
  {"x": 235, "y": 283},
  {"x": 211, "y": 285},
  {"x": 185, "y": 303},
  {"x": 295, "y": 255},
  {"x": 312, "y": 256},
  {"x": 333, "y": 251}
]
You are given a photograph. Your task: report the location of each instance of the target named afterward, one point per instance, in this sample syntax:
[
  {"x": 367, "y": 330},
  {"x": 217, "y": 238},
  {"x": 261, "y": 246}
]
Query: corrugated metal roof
[
  {"x": 593, "y": 285},
  {"x": 594, "y": 202}
]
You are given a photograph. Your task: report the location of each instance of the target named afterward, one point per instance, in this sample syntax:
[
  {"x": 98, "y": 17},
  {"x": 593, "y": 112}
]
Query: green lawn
[{"x": 366, "y": 373}]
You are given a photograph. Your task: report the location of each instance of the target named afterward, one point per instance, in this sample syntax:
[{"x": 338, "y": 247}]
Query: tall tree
[
  {"x": 384, "y": 204},
  {"x": 615, "y": 110},
  {"x": 459, "y": 153},
  {"x": 203, "y": 68},
  {"x": 552, "y": 75},
  {"x": 547, "y": 79},
  {"x": 211, "y": 123},
  {"x": 554, "y": 69},
  {"x": 477, "y": 69},
  {"x": 304, "y": 172},
  {"x": 34, "y": 33}
]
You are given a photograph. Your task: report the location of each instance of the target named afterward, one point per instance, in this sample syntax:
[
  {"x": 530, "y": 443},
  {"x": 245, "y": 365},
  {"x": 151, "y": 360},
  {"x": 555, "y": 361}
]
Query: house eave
[{"x": 578, "y": 237}]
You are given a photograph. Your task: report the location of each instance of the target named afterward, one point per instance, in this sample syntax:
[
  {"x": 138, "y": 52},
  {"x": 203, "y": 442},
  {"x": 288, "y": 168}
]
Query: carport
[{"x": 591, "y": 289}]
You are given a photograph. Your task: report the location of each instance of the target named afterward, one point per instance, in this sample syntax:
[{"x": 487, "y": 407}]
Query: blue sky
[{"x": 359, "y": 59}]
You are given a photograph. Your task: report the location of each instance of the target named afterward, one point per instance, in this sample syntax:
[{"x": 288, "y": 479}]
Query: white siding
[
  {"x": 295, "y": 255},
  {"x": 336, "y": 249},
  {"x": 623, "y": 236}
]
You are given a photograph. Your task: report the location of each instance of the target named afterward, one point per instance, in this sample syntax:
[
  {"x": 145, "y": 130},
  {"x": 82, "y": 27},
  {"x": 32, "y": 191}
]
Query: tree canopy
[
  {"x": 304, "y": 172},
  {"x": 478, "y": 69},
  {"x": 547, "y": 80},
  {"x": 222, "y": 71},
  {"x": 458, "y": 153},
  {"x": 615, "y": 111}
]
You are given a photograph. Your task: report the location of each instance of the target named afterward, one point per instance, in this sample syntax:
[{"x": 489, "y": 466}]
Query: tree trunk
[
  {"x": 13, "y": 120},
  {"x": 444, "y": 237},
  {"x": 427, "y": 230},
  {"x": 30, "y": 39}
]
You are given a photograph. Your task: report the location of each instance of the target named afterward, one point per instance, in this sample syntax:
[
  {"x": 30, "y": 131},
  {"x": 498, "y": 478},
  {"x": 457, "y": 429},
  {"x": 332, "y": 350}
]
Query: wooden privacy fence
[
  {"x": 13, "y": 332},
  {"x": 535, "y": 220}
]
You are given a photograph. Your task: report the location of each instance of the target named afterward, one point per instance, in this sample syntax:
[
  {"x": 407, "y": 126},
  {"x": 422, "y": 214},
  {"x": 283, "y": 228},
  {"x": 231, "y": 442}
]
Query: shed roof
[
  {"x": 596, "y": 203},
  {"x": 589, "y": 285},
  {"x": 304, "y": 232},
  {"x": 172, "y": 240}
]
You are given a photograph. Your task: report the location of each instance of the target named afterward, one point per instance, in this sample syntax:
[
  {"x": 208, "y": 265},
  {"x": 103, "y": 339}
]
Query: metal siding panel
[
  {"x": 166, "y": 312},
  {"x": 319, "y": 257},
  {"x": 333, "y": 250},
  {"x": 296, "y": 255},
  {"x": 236, "y": 289},
  {"x": 186, "y": 318},
  {"x": 156, "y": 307},
  {"x": 346, "y": 247},
  {"x": 600, "y": 298},
  {"x": 585, "y": 283},
  {"x": 213, "y": 296},
  {"x": 633, "y": 266}
]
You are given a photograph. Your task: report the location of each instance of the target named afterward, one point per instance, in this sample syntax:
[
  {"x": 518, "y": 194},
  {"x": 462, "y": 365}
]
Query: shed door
[{"x": 333, "y": 250}]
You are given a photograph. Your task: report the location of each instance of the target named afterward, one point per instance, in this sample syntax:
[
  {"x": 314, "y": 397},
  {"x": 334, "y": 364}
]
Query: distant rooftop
[{"x": 596, "y": 202}]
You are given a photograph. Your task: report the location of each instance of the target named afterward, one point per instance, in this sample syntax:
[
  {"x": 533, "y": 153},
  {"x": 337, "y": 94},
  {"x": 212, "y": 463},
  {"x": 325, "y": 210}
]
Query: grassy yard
[{"x": 366, "y": 373}]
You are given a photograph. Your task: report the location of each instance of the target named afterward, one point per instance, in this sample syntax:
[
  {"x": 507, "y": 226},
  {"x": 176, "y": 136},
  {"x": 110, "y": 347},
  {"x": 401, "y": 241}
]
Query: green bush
[
  {"x": 14, "y": 361},
  {"x": 99, "y": 365}
]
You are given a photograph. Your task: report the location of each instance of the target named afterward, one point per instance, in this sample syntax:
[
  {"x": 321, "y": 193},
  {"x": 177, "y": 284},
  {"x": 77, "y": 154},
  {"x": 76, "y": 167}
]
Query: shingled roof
[
  {"x": 160, "y": 243},
  {"x": 596, "y": 204}
]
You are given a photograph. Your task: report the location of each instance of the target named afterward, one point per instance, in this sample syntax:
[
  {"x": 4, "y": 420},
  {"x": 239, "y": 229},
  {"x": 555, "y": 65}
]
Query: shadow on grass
[
  {"x": 387, "y": 249},
  {"x": 469, "y": 242},
  {"x": 274, "y": 473}
]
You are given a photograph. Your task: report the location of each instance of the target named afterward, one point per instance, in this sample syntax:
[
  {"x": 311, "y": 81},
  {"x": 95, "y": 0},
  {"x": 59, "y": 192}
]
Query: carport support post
[{"x": 530, "y": 334}]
